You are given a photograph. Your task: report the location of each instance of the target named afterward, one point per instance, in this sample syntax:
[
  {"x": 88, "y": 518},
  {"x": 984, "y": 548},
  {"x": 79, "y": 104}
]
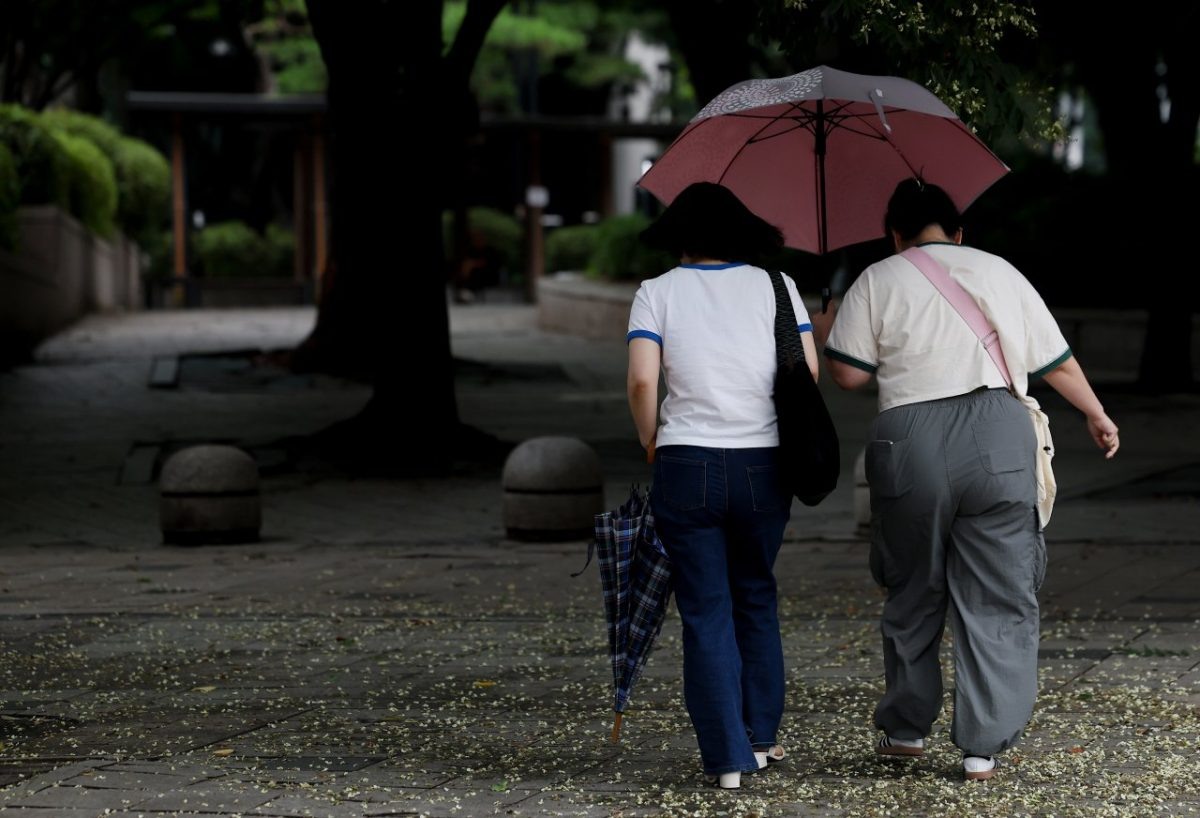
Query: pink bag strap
[{"x": 963, "y": 304}]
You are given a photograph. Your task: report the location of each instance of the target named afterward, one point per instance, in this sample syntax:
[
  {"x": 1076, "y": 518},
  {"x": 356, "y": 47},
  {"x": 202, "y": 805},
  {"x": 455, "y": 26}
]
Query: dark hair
[
  {"x": 915, "y": 205},
  {"x": 708, "y": 221}
]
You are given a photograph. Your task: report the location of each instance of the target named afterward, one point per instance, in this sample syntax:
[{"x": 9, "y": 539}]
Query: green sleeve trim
[
  {"x": 1057, "y": 362},
  {"x": 854, "y": 362}
]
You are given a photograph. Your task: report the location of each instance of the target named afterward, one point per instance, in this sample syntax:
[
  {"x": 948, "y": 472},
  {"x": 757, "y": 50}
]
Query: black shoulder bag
[{"x": 809, "y": 456}]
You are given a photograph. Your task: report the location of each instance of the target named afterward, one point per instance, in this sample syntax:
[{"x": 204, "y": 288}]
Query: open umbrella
[
  {"x": 635, "y": 575},
  {"x": 819, "y": 153}
]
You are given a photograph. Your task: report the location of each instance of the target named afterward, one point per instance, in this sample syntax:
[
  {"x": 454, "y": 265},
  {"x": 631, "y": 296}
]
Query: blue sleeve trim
[
  {"x": 854, "y": 362},
  {"x": 1050, "y": 367},
  {"x": 644, "y": 333},
  {"x": 804, "y": 327}
]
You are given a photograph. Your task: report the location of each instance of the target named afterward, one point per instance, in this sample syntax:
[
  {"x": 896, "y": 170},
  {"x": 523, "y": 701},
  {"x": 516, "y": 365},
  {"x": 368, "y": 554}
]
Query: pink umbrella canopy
[{"x": 819, "y": 153}]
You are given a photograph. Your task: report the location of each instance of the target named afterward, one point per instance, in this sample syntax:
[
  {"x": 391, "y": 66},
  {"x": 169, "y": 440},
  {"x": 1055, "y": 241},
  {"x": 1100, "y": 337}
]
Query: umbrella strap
[{"x": 591, "y": 550}]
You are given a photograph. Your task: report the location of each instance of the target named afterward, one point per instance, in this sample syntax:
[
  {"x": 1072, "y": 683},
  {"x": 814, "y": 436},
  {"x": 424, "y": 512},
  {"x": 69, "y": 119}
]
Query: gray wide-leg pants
[{"x": 954, "y": 528}]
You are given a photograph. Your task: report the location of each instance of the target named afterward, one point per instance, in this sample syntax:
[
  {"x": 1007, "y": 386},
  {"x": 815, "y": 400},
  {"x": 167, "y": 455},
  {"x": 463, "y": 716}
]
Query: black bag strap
[{"x": 789, "y": 346}]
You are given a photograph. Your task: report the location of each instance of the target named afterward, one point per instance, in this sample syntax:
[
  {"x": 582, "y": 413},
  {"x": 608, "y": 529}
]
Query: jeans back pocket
[
  {"x": 766, "y": 493},
  {"x": 681, "y": 482}
]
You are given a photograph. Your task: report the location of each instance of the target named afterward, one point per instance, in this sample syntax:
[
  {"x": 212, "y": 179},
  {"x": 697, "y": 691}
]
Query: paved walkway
[{"x": 385, "y": 651}]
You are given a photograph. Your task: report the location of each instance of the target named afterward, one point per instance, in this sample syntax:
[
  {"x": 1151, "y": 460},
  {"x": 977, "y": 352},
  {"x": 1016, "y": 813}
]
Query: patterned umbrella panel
[{"x": 819, "y": 153}]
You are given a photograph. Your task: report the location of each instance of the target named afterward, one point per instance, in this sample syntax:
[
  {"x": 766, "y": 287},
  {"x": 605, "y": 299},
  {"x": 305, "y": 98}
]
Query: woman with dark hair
[
  {"x": 718, "y": 501},
  {"x": 952, "y": 465}
]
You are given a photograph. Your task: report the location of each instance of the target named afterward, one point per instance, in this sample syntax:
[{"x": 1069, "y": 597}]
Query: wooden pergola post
[
  {"x": 178, "y": 212},
  {"x": 320, "y": 206},
  {"x": 302, "y": 267},
  {"x": 534, "y": 233}
]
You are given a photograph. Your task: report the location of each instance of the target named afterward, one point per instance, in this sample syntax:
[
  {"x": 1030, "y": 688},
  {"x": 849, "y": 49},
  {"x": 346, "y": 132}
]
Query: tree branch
[{"x": 471, "y": 34}]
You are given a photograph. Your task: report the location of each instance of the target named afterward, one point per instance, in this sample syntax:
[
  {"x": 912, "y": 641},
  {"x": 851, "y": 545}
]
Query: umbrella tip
[{"x": 616, "y": 731}]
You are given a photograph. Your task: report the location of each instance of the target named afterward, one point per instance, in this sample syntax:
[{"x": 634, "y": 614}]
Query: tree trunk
[
  {"x": 714, "y": 38},
  {"x": 394, "y": 112},
  {"x": 1166, "y": 364},
  {"x": 1151, "y": 163},
  {"x": 385, "y": 314}
]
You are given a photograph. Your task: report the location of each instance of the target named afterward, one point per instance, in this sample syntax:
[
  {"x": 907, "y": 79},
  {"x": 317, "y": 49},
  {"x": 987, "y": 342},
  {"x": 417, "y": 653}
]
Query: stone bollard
[
  {"x": 552, "y": 488},
  {"x": 862, "y": 494},
  {"x": 210, "y": 495}
]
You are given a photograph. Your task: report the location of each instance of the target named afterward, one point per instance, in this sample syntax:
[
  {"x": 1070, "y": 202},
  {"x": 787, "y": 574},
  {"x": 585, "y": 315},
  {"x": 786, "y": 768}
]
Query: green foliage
[
  {"x": 91, "y": 183},
  {"x": 10, "y": 197},
  {"x": 143, "y": 187},
  {"x": 281, "y": 247},
  {"x": 231, "y": 249},
  {"x": 952, "y": 47},
  {"x": 284, "y": 38},
  {"x": 298, "y": 66},
  {"x": 512, "y": 31},
  {"x": 40, "y": 160},
  {"x": 158, "y": 246},
  {"x": 571, "y": 248},
  {"x": 620, "y": 255},
  {"x": 580, "y": 40},
  {"x": 142, "y": 173},
  {"x": 593, "y": 70},
  {"x": 492, "y": 235}
]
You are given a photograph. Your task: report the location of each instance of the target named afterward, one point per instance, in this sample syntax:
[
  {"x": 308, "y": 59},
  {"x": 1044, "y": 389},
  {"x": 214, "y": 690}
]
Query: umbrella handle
[{"x": 616, "y": 731}]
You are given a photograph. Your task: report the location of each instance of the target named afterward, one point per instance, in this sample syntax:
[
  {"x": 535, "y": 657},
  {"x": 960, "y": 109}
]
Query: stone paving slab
[{"x": 387, "y": 652}]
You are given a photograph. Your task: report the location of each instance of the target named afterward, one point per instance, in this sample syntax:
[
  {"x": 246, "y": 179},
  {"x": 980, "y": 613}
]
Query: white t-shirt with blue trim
[{"x": 716, "y": 326}]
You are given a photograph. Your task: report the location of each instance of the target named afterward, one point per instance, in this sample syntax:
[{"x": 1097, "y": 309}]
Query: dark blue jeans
[{"x": 721, "y": 514}]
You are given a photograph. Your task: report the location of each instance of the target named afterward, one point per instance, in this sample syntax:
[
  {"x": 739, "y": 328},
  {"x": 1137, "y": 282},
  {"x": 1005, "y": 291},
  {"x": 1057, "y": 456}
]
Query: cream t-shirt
[{"x": 894, "y": 323}]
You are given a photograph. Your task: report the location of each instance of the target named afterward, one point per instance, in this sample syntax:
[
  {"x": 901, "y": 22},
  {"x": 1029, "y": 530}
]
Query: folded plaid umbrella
[{"x": 635, "y": 574}]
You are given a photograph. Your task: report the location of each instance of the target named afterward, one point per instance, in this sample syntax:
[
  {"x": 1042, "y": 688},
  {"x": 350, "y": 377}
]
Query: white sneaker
[
  {"x": 726, "y": 781},
  {"x": 900, "y": 747},
  {"x": 979, "y": 768}
]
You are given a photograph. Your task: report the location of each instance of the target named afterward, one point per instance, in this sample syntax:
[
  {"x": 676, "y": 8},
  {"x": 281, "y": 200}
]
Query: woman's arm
[
  {"x": 1068, "y": 380},
  {"x": 810, "y": 354},
  {"x": 846, "y": 376},
  {"x": 645, "y": 358}
]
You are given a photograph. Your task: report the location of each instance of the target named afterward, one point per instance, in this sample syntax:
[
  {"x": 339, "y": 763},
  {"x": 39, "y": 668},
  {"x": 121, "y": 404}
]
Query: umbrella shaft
[
  {"x": 819, "y": 134},
  {"x": 616, "y": 731}
]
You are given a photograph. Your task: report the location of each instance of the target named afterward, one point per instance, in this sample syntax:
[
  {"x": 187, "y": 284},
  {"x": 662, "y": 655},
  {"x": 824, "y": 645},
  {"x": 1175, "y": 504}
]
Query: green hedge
[
  {"x": 10, "y": 197},
  {"x": 143, "y": 174},
  {"x": 231, "y": 249},
  {"x": 620, "y": 255},
  {"x": 281, "y": 249},
  {"x": 498, "y": 231},
  {"x": 571, "y": 248},
  {"x": 41, "y": 162},
  {"x": 234, "y": 250},
  {"x": 91, "y": 183}
]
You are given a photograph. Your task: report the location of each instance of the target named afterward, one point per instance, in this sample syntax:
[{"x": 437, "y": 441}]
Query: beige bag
[{"x": 1047, "y": 486}]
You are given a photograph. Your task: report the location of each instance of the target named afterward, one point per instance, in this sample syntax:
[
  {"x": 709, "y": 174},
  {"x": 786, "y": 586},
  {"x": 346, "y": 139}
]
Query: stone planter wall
[
  {"x": 572, "y": 304},
  {"x": 57, "y": 273},
  {"x": 1107, "y": 342}
]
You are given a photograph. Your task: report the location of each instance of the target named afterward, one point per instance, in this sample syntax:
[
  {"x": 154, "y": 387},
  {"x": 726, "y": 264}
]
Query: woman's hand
[{"x": 1104, "y": 432}]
